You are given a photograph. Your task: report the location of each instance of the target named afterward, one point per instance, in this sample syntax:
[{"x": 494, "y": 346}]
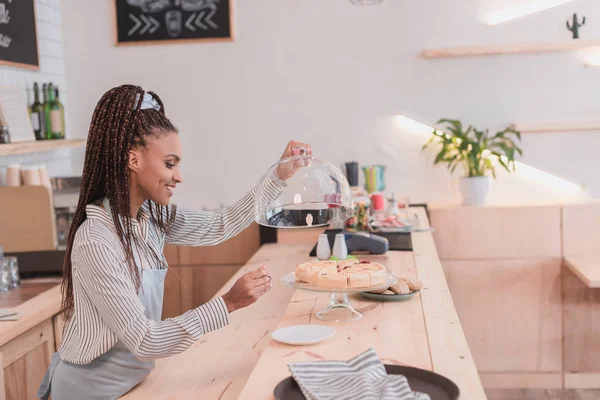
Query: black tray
[{"x": 436, "y": 386}]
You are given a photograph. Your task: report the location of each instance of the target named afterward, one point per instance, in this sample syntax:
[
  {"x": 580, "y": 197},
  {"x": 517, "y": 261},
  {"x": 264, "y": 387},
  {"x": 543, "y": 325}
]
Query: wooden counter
[{"x": 242, "y": 361}]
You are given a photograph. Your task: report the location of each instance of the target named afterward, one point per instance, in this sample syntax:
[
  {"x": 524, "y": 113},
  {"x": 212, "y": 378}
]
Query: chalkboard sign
[
  {"x": 18, "y": 40},
  {"x": 143, "y": 21}
]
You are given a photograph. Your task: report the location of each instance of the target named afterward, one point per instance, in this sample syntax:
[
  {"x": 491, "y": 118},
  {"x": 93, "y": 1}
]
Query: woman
[{"x": 114, "y": 267}]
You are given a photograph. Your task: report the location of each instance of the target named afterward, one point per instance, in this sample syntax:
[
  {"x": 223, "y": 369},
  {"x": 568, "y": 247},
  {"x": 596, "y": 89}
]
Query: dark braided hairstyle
[{"x": 118, "y": 125}]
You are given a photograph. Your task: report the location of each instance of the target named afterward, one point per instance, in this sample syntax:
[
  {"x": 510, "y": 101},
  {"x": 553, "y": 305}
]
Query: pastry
[
  {"x": 413, "y": 283},
  {"x": 400, "y": 288},
  {"x": 342, "y": 274}
]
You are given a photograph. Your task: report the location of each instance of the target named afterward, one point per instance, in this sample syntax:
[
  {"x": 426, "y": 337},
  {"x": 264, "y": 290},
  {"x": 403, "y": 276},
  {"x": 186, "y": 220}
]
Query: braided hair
[{"x": 118, "y": 125}]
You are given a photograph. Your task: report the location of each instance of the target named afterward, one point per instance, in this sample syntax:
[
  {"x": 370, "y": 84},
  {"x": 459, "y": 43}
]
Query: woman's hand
[
  {"x": 287, "y": 170},
  {"x": 248, "y": 289}
]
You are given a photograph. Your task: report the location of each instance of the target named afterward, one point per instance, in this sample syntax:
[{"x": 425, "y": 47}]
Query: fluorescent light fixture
[
  {"x": 523, "y": 170},
  {"x": 508, "y": 10}
]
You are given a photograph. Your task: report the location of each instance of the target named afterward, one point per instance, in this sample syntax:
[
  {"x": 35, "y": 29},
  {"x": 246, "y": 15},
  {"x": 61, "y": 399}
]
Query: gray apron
[{"x": 115, "y": 372}]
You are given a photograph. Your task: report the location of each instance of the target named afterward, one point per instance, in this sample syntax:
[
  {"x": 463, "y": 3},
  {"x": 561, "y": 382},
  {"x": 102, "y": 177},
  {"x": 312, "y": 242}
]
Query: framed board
[
  {"x": 161, "y": 21},
  {"x": 18, "y": 38}
]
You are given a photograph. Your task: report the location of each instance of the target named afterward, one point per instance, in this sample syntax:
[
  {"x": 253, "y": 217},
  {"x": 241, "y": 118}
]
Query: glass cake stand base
[{"x": 339, "y": 310}]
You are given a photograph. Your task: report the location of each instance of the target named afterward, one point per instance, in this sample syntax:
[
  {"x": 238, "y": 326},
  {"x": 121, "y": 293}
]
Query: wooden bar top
[
  {"x": 242, "y": 361},
  {"x": 37, "y": 301}
]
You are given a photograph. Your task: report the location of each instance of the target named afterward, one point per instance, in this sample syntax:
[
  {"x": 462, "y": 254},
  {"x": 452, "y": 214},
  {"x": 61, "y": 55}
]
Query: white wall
[
  {"x": 335, "y": 75},
  {"x": 52, "y": 69}
]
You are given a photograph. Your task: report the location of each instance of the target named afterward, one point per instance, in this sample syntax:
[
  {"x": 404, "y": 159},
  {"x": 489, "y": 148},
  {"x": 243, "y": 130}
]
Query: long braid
[{"x": 117, "y": 125}]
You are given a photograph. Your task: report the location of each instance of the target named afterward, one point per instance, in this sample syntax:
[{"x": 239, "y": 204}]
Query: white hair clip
[{"x": 149, "y": 102}]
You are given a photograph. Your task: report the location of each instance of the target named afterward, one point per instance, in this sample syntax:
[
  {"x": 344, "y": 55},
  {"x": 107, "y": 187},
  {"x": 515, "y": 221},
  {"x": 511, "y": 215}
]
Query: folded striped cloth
[{"x": 361, "y": 378}]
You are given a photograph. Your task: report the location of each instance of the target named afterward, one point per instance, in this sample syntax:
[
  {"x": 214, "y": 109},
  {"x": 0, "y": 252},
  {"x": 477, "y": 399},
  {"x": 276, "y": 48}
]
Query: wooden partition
[
  {"x": 503, "y": 266},
  {"x": 581, "y": 303}
]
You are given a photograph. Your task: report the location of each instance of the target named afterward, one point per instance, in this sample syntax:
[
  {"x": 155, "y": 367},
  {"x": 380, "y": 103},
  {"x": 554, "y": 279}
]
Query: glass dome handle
[{"x": 303, "y": 150}]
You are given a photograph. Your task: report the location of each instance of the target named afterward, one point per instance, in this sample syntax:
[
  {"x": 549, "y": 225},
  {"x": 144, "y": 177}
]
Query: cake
[{"x": 341, "y": 275}]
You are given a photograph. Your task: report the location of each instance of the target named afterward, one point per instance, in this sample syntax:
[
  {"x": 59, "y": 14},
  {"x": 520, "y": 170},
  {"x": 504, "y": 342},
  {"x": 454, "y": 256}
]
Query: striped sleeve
[
  {"x": 206, "y": 228},
  {"x": 106, "y": 281}
]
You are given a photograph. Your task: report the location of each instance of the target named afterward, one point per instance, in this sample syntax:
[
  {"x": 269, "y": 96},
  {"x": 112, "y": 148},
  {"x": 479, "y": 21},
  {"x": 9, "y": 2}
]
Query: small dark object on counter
[
  {"x": 575, "y": 26},
  {"x": 4, "y": 135}
]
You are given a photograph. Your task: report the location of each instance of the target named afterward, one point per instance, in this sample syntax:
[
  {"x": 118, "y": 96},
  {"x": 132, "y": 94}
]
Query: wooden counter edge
[
  {"x": 34, "y": 311},
  {"x": 581, "y": 266}
]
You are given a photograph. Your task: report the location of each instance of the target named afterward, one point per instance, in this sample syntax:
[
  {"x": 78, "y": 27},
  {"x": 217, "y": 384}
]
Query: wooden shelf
[
  {"x": 38, "y": 146},
  {"x": 557, "y": 127},
  {"x": 516, "y": 48}
]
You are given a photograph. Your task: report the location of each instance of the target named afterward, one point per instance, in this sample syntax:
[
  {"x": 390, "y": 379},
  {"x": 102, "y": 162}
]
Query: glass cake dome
[{"x": 313, "y": 193}]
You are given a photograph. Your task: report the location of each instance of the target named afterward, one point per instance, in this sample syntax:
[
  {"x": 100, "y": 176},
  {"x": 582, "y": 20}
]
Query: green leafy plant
[{"x": 474, "y": 149}]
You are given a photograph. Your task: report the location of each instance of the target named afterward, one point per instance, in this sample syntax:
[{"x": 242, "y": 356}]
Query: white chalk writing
[{"x": 5, "y": 41}]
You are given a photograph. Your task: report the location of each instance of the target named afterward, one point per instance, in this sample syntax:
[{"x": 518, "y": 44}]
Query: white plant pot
[{"x": 474, "y": 190}]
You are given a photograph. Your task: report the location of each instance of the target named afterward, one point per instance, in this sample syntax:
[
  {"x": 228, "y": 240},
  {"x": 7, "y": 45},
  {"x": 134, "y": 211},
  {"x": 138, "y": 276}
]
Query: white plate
[{"x": 299, "y": 335}]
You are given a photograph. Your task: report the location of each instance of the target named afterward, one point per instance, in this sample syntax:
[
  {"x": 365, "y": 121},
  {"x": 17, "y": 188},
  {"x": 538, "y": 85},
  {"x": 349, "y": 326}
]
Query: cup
[
  {"x": 4, "y": 275},
  {"x": 351, "y": 170},
  {"x": 378, "y": 201},
  {"x": 374, "y": 178},
  {"x": 13, "y": 175},
  {"x": 44, "y": 177},
  {"x": 13, "y": 269},
  {"x": 30, "y": 175}
]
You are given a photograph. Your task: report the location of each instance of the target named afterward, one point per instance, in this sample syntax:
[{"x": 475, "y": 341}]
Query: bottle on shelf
[
  {"x": 46, "y": 107},
  {"x": 57, "y": 116},
  {"x": 36, "y": 114}
]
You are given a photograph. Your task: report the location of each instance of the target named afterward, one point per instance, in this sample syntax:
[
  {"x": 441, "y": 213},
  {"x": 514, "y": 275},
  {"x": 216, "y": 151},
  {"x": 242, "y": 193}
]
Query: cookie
[
  {"x": 400, "y": 288},
  {"x": 413, "y": 283}
]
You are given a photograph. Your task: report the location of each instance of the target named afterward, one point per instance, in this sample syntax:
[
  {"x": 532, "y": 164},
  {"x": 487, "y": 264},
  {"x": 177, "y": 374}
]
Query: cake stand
[{"x": 339, "y": 308}]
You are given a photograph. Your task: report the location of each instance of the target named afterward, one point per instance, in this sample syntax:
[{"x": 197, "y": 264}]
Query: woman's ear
[{"x": 135, "y": 160}]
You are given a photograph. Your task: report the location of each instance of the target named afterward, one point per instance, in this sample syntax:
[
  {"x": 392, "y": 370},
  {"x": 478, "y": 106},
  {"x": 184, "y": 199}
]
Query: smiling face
[{"x": 155, "y": 167}]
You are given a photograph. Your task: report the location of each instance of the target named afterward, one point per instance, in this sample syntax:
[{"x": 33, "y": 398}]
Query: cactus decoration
[{"x": 575, "y": 27}]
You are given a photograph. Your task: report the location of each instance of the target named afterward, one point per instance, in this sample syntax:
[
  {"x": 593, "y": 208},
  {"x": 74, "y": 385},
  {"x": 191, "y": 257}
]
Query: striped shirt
[{"x": 107, "y": 306}]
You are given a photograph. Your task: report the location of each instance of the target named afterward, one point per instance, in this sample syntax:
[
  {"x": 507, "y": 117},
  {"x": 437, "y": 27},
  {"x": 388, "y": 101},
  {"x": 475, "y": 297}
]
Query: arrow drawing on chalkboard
[
  {"x": 209, "y": 21},
  {"x": 137, "y": 24},
  {"x": 150, "y": 23},
  {"x": 189, "y": 21},
  {"x": 199, "y": 23}
]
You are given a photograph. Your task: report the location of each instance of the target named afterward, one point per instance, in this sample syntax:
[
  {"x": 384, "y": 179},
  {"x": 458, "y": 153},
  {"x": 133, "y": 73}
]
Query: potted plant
[{"x": 476, "y": 151}]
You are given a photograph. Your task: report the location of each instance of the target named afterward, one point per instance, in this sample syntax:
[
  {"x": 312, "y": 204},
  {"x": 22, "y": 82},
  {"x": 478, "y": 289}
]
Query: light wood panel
[
  {"x": 581, "y": 317},
  {"x": 26, "y": 359},
  {"x": 510, "y": 311},
  {"x": 463, "y": 233},
  {"x": 583, "y": 381},
  {"x": 171, "y": 253},
  {"x": 492, "y": 380},
  {"x": 12, "y": 149},
  {"x": 510, "y": 48},
  {"x": 581, "y": 229},
  {"x": 586, "y": 268},
  {"x": 187, "y": 287},
  {"x": 307, "y": 236},
  {"x": 36, "y": 231},
  {"x": 236, "y": 250}
]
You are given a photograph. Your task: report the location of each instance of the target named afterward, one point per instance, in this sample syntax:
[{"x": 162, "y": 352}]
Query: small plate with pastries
[{"x": 404, "y": 289}]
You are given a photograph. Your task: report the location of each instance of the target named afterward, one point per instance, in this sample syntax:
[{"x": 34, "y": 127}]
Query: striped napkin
[{"x": 361, "y": 378}]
